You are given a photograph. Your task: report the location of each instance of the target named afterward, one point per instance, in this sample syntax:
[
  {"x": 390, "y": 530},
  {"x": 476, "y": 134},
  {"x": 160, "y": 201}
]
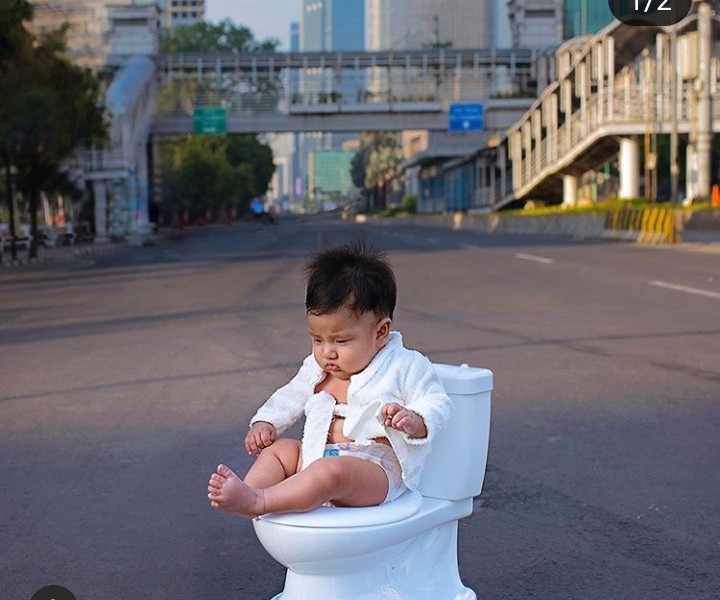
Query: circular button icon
[
  {"x": 53, "y": 592},
  {"x": 641, "y": 13}
]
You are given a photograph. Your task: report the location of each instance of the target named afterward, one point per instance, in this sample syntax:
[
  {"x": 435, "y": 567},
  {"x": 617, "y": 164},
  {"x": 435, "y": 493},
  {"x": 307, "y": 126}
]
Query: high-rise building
[
  {"x": 327, "y": 26},
  {"x": 402, "y": 24},
  {"x": 89, "y": 35},
  {"x": 536, "y": 23},
  {"x": 582, "y": 17},
  {"x": 329, "y": 175},
  {"x": 183, "y": 12},
  {"x": 330, "y": 26}
]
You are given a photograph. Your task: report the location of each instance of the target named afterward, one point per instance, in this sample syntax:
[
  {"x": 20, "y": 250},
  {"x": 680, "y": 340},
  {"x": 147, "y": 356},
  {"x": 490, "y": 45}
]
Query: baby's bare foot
[{"x": 230, "y": 493}]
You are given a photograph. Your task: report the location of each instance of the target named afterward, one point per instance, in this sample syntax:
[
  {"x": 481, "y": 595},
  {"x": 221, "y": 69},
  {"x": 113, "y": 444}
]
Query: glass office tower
[
  {"x": 582, "y": 17},
  {"x": 328, "y": 26}
]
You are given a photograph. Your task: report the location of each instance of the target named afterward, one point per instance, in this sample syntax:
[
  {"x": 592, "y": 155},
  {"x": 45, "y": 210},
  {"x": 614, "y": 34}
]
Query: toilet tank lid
[{"x": 463, "y": 379}]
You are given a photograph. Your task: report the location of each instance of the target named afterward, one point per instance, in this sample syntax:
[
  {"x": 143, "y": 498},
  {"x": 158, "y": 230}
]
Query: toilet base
[{"x": 421, "y": 568}]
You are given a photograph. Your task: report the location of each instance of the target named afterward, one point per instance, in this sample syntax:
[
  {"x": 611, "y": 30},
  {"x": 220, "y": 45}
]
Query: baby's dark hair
[{"x": 354, "y": 274}]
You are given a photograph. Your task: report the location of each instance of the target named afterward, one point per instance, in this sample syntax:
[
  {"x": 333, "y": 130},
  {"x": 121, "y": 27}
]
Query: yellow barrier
[{"x": 642, "y": 225}]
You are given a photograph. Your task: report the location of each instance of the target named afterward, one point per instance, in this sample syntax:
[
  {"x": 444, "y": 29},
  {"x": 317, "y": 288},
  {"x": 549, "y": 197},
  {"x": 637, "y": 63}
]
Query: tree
[
  {"x": 244, "y": 91},
  {"x": 376, "y": 163},
  {"x": 233, "y": 169},
  {"x": 213, "y": 37},
  {"x": 247, "y": 150},
  {"x": 14, "y": 38},
  {"x": 49, "y": 107},
  {"x": 210, "y": 176}
]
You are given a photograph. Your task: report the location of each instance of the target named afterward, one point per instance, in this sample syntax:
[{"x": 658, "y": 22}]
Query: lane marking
[
  {"x": 684, "y": 288},
  {"x": 540, "y": 259}
]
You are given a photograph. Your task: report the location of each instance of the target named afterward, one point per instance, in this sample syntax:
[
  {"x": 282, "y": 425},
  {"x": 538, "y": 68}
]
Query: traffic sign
[
  {"x": 209, "y": 120},
  {"x": 466, "y": 117}
]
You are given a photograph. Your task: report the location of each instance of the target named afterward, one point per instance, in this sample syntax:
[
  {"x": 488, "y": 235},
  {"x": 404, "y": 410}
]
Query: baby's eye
[{"x": 340, "y": 341}]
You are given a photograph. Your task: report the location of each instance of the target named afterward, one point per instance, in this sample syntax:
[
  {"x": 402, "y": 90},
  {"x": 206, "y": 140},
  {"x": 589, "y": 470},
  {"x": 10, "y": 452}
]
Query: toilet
[{"x": 405, "y": 549}]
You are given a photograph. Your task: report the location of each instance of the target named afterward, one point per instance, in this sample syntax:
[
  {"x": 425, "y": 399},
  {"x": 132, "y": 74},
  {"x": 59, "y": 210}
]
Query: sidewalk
[
  {"x": 700, "y": 240},
  {"x": 67, "y": 253}
]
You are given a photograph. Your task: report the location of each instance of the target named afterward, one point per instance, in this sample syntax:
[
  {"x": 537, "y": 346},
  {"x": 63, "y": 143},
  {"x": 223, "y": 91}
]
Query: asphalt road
[{"x": 126, "y": 378}]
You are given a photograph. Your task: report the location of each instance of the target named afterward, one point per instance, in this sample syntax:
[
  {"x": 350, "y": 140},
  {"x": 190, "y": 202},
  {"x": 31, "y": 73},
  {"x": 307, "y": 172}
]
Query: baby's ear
[{"x": 383, "y": 330}]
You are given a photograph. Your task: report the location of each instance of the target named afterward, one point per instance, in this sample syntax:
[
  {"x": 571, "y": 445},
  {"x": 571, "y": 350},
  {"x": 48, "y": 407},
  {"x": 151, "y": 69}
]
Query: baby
[{"x": 371, "y": 406}]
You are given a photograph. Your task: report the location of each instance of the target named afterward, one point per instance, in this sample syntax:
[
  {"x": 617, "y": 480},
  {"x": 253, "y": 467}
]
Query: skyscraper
[
  {"x": 328, "y": 26},
  {"x": 584, "y": 17},
  {"x": 183, "y": 12},
  {"x": 89, "y": 30},
  {"x": 536, "y": 23},
  {"x": 401, "y": 24}
]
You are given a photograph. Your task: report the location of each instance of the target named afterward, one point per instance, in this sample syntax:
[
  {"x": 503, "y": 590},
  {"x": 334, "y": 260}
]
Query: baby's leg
[
  {"x": 275, "y": 463},
  {"x": 342, "y": 480}
]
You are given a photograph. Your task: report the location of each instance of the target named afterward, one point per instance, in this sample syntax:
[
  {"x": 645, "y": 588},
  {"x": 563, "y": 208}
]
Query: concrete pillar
[
  {"x": 692, "y": 172},
  {"x": 142, "y": 183},
  {"x": 704, "y": 102},
  {"x": 100, "y": 192},
  {"x": 570, "y": 190},
  {"x": 629, "y": 169}
]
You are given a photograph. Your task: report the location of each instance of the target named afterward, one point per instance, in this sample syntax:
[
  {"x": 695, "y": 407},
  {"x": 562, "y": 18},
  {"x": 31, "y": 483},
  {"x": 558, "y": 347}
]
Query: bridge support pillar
[
  {"x": 629, "y": 169},
  {"x": 570, "y": 190},
  {"x": 100, "y": 192},
  {"x": 701, "y": 135}
]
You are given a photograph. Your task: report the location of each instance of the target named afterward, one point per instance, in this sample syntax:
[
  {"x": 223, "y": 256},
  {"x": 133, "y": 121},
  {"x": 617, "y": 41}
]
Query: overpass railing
[{"x": 287, "y": 83}]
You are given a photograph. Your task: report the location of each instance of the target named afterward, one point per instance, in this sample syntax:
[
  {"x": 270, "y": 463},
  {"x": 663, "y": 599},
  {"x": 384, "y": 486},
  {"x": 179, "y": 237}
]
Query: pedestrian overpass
[
  {"x": 613, "y": 90},
  {"x": 267, "y": 92},
  {"x": 264, "y": 92}
]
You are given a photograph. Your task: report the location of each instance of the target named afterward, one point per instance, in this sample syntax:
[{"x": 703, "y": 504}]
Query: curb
[{"x": 644, "y": 226}]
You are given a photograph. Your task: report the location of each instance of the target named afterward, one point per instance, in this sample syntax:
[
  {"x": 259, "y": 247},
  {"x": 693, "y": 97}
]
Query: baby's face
[{"x": 344, "y": 343}]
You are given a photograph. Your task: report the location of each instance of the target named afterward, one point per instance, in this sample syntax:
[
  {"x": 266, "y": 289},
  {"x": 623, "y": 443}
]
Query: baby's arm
[
  {"x": 403, "y": 419},
  {"x": 261, "y": 435}
]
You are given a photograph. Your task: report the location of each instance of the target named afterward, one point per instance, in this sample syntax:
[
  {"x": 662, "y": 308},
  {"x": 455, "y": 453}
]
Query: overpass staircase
[{"x": 623, "y": 82}]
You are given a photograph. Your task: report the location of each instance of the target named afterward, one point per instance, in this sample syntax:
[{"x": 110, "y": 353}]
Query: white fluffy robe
[{"x": 395, "y": 374}]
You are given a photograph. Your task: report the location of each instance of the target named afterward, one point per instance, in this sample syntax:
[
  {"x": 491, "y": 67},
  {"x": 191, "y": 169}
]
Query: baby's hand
[
  {"x": 403, "y": 419},
  {"x": 261, "y": 435}
]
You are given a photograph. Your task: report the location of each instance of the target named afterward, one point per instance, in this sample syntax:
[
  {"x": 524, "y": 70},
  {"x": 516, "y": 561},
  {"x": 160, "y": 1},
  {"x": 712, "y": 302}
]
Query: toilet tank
[{"x": 456, "y": 466}]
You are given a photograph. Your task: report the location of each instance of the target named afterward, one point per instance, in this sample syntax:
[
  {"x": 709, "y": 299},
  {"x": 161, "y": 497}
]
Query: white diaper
[{"x": 380, "y": 454}]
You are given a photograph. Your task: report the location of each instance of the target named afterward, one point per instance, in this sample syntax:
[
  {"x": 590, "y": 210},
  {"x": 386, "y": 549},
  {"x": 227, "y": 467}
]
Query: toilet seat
[{"x": 403, "y": 507}]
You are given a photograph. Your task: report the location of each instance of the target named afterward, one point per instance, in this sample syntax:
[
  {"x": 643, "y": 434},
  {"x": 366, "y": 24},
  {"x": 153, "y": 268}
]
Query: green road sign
[{"x": 209, "y": 120}]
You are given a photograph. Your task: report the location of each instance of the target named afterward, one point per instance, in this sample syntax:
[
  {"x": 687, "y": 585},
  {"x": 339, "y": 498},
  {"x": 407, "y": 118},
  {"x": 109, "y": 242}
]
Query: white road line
[
  {"x": 540, "y": 259},
  {"x": 684, "y": 288}
]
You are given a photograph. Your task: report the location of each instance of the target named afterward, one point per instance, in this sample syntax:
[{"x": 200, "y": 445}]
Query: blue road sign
[{"x": 466, "y": 117}]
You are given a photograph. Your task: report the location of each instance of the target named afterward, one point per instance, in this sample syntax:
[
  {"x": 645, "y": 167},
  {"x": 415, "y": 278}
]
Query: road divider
[{"x": 642, "y": 225}]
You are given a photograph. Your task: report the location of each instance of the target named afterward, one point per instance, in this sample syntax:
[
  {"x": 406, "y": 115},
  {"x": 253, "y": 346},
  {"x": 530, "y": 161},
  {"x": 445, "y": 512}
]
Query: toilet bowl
[{"x": 407, "y": 548}]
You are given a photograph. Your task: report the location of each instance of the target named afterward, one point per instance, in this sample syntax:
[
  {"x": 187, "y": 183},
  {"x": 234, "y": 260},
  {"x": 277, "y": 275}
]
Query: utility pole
[{"x": 674, "y": 166}]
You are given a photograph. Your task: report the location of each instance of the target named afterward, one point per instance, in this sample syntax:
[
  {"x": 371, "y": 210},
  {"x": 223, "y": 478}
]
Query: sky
[{"x": 265, "y": 18}]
